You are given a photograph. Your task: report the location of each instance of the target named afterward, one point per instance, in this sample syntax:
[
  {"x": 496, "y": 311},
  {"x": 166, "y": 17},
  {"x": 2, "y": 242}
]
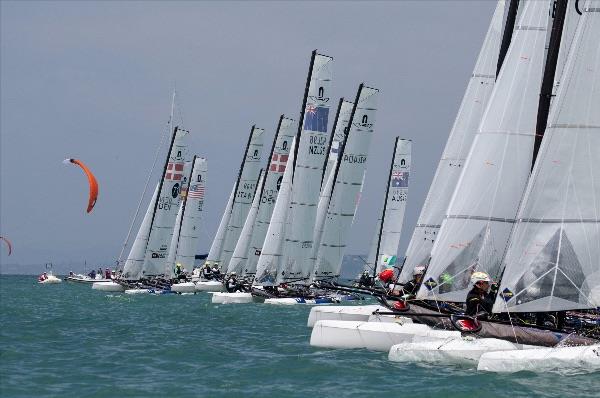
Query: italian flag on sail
[{"x": 388, "y": 260}]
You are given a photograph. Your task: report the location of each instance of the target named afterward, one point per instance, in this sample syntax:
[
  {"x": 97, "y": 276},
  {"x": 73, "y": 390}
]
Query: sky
[{"x": 93, "y": 81}]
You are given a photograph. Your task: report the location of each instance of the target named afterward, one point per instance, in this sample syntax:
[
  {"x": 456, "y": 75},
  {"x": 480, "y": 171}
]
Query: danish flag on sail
[
  {"x": 278, "y": 163},
  {"x": 174, "y": 171}
]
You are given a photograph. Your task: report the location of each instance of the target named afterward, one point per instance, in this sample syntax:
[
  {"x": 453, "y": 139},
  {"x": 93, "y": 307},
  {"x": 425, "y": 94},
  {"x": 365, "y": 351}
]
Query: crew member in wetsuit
[
  {"x": 231, "y": 284},
  {"x": 411, "y": 287},
  {"x": 207, "y": 272},
  {"x": 481, "y": 297},
  {"x": 366, "y": 279}
]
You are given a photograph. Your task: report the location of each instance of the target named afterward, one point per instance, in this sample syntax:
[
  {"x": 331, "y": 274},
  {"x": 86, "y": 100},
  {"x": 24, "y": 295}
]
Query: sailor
[
  {"x": 216, "y": 272},
  {"x": 207, "y": 272},
  {"x": 92, "y": 274},
  {"x": 231, "y": 283},
  {"x": 43, "y": 277},
  {"x": 365, "y": 279},
  {"x": 107, "y": 273},
  {"x": 411, "y": 287},
  {"x": 481, "y": 297}
]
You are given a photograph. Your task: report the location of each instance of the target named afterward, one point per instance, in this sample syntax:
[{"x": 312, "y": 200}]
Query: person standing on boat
[
  {"x": 481, "y": 297},
  {"x": 411, "y": 287},
  {"x": 207, "y": 272}
]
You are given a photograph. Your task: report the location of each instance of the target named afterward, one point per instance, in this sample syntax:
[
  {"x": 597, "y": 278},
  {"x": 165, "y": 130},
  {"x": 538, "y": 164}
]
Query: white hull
[
  {"x": 232, "y": 298},
  {"x": 342, "y": 313},
  {"x": 50, "y": 280},
  {"x": 108, "y": 287},
  {"x": 137, "y": 291},
  {"x": 298, "y": 301},
  {"x": 564, "y": 360},
  {"x": 453, "y": 351},
  {"x": 209, "y": 286},
  {"x": 377, "y": 336},
  {"x": 187, "y": 287},
  {"x": 86, "y": 279}
]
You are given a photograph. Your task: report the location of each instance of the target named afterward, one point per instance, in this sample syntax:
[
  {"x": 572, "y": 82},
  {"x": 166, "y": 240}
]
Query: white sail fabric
[
  {"x": 339, "y": 135},
  {"x": 395, "y": 205},
  {"x": 308, "y": 171},
  {"x": 572, "y": 19},
  {"x": 270, "y": 262},
  {"x": 135, "y": 259},
  {"x": 166, "y": 208},
  {"x": 216, "y": 248},
  {"x": 240, "y": 254},
  {"x": 324, "y": 198},
  {"x": 347, "y": 185},
  {"x": 457, "y": 147},
  {"x": 278, "y": 163},
  {"x": 552, "y": 260},
  {"x": 185, "y": 241},
  {"x": 475, "y": 231},
  {"x": 242, "y": 200}
]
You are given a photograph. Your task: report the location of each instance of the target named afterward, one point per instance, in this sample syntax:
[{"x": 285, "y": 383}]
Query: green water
[{"x": 70, "y": 341}]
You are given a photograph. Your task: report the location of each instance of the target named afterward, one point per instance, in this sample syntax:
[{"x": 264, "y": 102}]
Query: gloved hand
[{"x": 494, "y": 287}]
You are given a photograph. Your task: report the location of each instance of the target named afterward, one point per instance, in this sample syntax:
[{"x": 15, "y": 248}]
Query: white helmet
[
  {"x": 419, "y": 270},
  {"x": 479, "y": 277}
]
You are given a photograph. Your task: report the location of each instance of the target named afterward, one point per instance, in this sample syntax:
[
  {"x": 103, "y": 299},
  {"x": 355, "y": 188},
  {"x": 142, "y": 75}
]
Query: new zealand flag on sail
[
  {"x": 400, "y": 179},
  {"x": 315, "y": 118}
]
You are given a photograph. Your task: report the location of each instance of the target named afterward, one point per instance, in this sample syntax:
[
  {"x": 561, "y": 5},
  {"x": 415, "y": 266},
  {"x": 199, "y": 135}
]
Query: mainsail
[
  {"x": 552, "y": 260},
  {"x": 461, "y": 137},
  {"x": 347, "y": 185},
  {"x": 216, "y": 248},
  {"x": 270, "y": 261},
  {"x": 244, "y": 193},
  {"x": 135, "y": 259},
  {"x": 278, "y": 162},
  {"x": 311, "y": 151},
  {"x": 167, "y": 205},
  {"x": 185, "y": 237},
  {"x": 338, "y": 135},
  {"x": 389, "y": 231},
  {"x": 475, "y": 231}
]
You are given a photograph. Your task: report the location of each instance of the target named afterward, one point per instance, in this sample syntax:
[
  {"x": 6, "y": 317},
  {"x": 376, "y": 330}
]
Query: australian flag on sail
[
  {"x": 400, "y": 179},
  {"x": 315, "y": 118}
]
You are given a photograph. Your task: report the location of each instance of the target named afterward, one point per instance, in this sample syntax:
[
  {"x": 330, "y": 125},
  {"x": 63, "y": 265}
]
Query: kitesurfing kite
[
  {"x": 8, "y": 244},
  {"x": 91, "y": 179}
]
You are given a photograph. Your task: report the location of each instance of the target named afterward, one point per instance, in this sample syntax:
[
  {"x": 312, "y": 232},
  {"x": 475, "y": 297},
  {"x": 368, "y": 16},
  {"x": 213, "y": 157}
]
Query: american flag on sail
[
  {"x": 400, "y": 179},
  {"x": 174, "y": 171},
  {"x": 196, "y": 191},
  {"x": 316, "y": 118},
  {"x": 278, "y": 163}
]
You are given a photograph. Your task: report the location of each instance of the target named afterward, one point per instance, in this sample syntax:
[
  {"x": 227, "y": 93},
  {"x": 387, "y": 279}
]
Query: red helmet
[{"x": 386, "y": 275}]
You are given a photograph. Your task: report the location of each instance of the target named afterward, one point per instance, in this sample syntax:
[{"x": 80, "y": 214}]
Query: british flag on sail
[
  {"x": 278, "y": 163},
  {"x": 400, "y": 179},
  {"x": 174, "y": 171},
  {"x": 196, "y": 191},
  {"x": 315, "y": 118}
]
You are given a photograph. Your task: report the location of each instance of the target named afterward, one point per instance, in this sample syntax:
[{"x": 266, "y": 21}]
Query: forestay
[
  {"x": 166, "y": 207},
  {"x": 308, "y": 170},
  {"x": 552, "y": 261},
  {"x": 184, "y": 242},
  {"x": 135, "y": 259},
  {"x": 395, "y": 205},
  {"x": 324, "y": 198},
  {"x": 278, "y": 163},
  {"x": 347, "y": 185},
  {"x": 216, "y": 248},
  {"x": 270, "y": 262},
  {"x": 475, "y": 231},
  {"x": 338, "y": 136},
  {"x": 244, "y": 193},
  {"x": 457, "y": 147}
]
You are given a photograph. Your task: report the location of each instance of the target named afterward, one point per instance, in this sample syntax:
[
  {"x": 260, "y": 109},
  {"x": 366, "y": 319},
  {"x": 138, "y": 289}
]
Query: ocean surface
[{"x": 70, "y": 341}]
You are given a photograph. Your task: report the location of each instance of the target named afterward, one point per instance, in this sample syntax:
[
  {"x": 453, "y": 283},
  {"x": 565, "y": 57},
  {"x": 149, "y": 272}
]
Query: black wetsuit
[
  {"x": 411, "y": 287},
  {"x": 365, "y": 280},
  {"x": 478, "y": 301},
  {"x": 207, "y": 273}
]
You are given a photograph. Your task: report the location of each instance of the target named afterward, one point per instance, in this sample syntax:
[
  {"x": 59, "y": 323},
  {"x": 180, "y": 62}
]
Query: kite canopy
[
  {"x": 91, "y": 180},
  {"x": 8, "y": 244}
]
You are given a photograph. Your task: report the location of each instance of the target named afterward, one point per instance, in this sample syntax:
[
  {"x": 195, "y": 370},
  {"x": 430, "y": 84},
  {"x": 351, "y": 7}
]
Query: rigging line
[
  {"x": 156, "y": 153},
  {"x": 512, "y": 326}
]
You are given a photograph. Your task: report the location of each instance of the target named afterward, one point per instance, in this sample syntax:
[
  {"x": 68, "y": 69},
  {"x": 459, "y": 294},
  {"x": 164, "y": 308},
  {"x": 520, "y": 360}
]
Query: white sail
[
  {"x": 347, "y": 185},
  {"x": 552, "y": 260},
  {"x": 395, "y": 205},
  {"x": 184, "y": 251},
  {"x": 337, "y": 140},
  {"x": 135, "y": 259},
  {"x": 457, "y": 147},
  {"x": 172, "y": 253},
  {"x": 216, "y": 248},
  {"x": 166, "y": 208},
  {"x": 274, "y": 175},
  {"x": 308, "y": 170},
  {"x": 239, "y": 258},
  {"x": 242, "y": 200},
  {"x": 324, "y": 198},
  {"x": 270, "y": 262},
  {"x": 475, "y": 231},
  {"x": 572, "y": 19}
]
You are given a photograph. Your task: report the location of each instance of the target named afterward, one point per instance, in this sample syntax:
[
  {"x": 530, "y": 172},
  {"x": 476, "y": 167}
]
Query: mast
[
  {"x": 237, "y": 183},
  {"x": 549, "y": 72},
  {"x": 387, "y": 191},
  {"x": 303, "y": 109},
  {"x": 509, "y": 27},
  {"x": 335, "y": 122}
]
